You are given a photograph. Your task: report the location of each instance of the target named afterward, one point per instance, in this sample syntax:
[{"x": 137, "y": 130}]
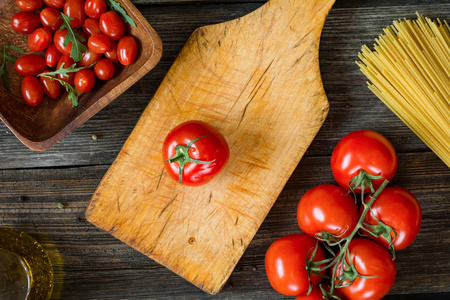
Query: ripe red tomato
[
  {"x": 30, "y": 65},
  {"x": 39, "y": 39},
  {"x": 99, "y": 43},
  {"x": 370, "y": 259},
  {"x": 210, "y": 146},
  {"x": 50, "y": 18},
  {"x": 52, "y": 56},
  {"x": 75, "y": 10},
  {"x": 104, "y": 69},
  {"x": 58, "y": 40},
  {"x": 112, "y": 25},
  {"x": 67, "y": 61},
  {"x": 25, "y": 22},
  {"x": 327, "y": 208},
  {"x": 363, "y": 150},
  {"x": 58, "y": 4},
  {"x": 95, "y": 8},
  {"x": 285, "y": 264},
  {"x": 29, "y": 5},
  {"x": 111, "y": 54},
  {"x": 32, "y": 91},
  {"x": 90, "y": 27},
  {"x": 88, "y": 58},
  {"x": 398, "y": 208},
  {"x": 51, "y": 88},
  {"x": 127, "y": 49},
  {"x": 84, "y": 80}
]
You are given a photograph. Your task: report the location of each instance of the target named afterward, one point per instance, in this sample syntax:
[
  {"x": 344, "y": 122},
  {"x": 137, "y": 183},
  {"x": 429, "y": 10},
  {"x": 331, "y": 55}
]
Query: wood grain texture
[
  {"x": 91, "y": 264},
  {"x": 257, "y": 80},
  {"x": 42, "y": 126}
]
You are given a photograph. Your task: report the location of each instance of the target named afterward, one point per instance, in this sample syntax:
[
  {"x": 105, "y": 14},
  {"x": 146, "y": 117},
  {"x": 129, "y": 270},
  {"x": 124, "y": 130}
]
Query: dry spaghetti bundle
[{"x": 409, "y": 70}]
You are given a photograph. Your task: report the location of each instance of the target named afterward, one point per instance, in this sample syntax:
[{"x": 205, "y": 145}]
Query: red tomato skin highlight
[
  {"x": 111, "y": 54},
  {"x": 369, "y": 259},
  {"x": 104, "y": 69},
  {"x": 29, "y": 5},
  {"x": 112, "y": 25},
  {"x": 75, "y": 10},
  {"x": 52, "y": 56},
  {"x": 398, "y": 208},
  {"x": 32, "y": 91},
  {"x": 363, "y": 150},
  {"x": 88, "y": 58},
  {"x": 95, "y": 8},
  {"x": 58, "y": 4},
  {"x": 209, "y": 148},
  {"x": 90, "y": 27},
  {"x": 40, "y": 39},
  {"x": 285, "y": 262},
  {"x": 50, "y": 18},
  {"x": 25, "y": 22},
  {"x": 30, "y": 65},
  {"x": 99, "y": 43},
  {"x": 51, "y": 88},
  {"x": 328, "y": 208},
  {"x": 84, "y": 80},
  {"x": 58, "y": 40},
  {"x": 127, "y": 49}
]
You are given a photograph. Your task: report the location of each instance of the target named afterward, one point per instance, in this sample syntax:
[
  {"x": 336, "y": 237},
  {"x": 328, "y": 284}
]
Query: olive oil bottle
[{"x": 25, "y": 269}]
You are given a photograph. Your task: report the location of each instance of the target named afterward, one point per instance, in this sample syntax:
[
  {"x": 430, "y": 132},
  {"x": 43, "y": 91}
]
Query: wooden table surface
[{"x": 91, "y": 264}]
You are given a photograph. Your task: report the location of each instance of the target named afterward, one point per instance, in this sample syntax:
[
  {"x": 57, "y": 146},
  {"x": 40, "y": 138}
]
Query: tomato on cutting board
[{"x": 194, "y": 152}]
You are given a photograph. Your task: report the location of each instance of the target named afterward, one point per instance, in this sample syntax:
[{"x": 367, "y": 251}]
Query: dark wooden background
[{"x": 90, "y": 264}]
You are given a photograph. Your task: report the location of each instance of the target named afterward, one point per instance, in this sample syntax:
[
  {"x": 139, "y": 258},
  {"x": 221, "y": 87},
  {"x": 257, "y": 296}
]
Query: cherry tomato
[
  {"x": 363, "y": 150},
  {"x": 50, "y": 18},
  {"x": 112, "y": 25},
  {"x": 210, "y": 147},
  {"x": 39, "y": 39},
  {"x": 52, "y": 56},
  {"x": 58, "y": 4},
  {"x": 372, "y": 260},
  {"x": 75, "y": 10},
  {"x": 67, "y": 61},
  {"x": 88, "y": 58},
  {"x": 32, "y": 91},
  {"x": 58, "y": 40},
  {"x": 30, "y": 65},
  {"x": 398, "y": 208},
  {"x": 327, "y": 208},
  {"x": 90, "y": 26},
  {"x": 29, "y": 5},
  {"x": 285, "y": 264},
  {"x": 84, "y": 80},
  {"x": 99, "y": 43},
  {"x": 95, "y": 8},
  {"x": 104, "y": 69},
  {"x": 127, "y": 49},
  {"x": 111, "y": 54},
  {"x": 25, "y": 22},
  {"x": 51, "y": 87}
]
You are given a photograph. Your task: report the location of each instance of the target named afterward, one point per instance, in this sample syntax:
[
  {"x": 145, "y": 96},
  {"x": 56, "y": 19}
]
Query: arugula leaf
[
  {"x": 74, "y": 37},
  {"x": 113, "y": 5},
  {"x": 5, "y": 57},
  {"x": 73, "y": 95}
]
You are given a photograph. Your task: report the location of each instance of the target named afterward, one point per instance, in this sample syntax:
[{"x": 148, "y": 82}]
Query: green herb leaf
[
  {"x": 74, "y": 37},
  {"x": 5, "y": 57},
  {"x": 113, "y": 5}
]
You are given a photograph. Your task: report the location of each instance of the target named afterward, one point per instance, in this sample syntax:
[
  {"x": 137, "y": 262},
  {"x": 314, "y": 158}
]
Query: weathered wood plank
[
  {"x": 91, "y": 264},
  {"x": 352, "y": 104}
]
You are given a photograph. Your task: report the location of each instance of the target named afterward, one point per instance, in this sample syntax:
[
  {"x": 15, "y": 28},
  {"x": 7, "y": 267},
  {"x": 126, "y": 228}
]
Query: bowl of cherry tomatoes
[{"x": 62, "y": 61}]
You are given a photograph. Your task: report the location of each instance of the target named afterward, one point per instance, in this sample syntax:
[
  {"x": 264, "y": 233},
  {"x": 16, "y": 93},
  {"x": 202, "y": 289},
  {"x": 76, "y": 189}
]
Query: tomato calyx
[
  {"x": 182, "y": 157},
  {"x": 363, "y": 180},
  {"x": 380, "y": 229}
]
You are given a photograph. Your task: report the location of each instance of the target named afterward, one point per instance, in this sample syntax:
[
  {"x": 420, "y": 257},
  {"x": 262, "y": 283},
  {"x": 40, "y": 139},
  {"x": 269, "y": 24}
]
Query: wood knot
[{"x": 191, "y": 240}]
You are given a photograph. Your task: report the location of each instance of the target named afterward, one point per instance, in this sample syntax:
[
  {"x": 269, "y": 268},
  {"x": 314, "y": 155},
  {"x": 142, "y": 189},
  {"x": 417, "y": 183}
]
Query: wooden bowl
[{"x": 42, "y": 126}]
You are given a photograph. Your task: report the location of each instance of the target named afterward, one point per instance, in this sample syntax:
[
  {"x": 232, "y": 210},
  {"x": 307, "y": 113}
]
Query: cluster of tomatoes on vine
[
  {"x": 344, "y": 251},
  {"x": 83, "y": 40}
]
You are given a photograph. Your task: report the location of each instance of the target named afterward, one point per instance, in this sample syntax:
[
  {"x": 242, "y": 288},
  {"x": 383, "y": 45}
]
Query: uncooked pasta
[{"x": 409, "y": 70}]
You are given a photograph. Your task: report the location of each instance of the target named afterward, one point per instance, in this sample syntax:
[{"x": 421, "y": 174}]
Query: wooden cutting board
[{"x": 257, "y": 80}]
